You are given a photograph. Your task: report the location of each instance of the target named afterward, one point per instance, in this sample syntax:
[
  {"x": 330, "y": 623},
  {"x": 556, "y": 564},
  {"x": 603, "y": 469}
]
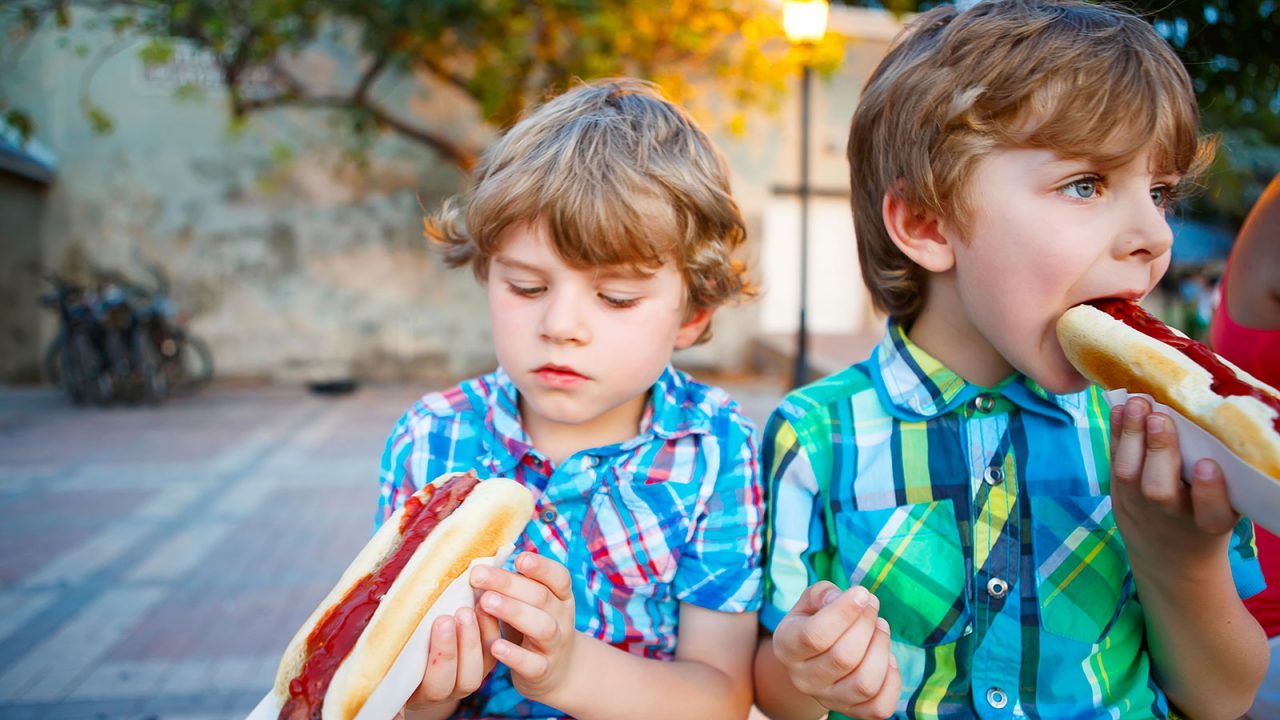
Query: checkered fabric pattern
[
  {"x": 672, "y": 515},
  {"x": 981, "y": 519}
]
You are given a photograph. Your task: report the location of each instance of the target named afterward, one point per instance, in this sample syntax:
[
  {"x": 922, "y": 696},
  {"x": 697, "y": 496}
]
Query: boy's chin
[{"x": 1063, "y": 382}]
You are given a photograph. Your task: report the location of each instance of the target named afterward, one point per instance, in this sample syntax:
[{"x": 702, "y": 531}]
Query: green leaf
[{"x": 156, "y": 52}]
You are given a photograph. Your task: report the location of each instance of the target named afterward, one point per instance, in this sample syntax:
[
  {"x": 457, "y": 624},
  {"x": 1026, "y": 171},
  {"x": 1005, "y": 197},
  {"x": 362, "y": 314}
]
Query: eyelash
[
  {"x": 1172, "y": 193},
  {"x": 612, "y": 302}
]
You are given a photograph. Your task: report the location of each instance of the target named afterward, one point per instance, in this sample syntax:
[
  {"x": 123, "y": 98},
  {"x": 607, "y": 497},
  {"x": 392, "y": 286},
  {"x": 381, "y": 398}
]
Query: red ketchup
[
  {"x": 1225, "y": 381},
  {"x": 336, "y": 633}
]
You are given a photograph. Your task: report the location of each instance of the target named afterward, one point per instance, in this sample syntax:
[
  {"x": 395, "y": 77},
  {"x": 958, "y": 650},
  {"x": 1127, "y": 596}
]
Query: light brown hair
[
  {"x": 1084, "y": 80},
  {"x": 621, "y": 177}
]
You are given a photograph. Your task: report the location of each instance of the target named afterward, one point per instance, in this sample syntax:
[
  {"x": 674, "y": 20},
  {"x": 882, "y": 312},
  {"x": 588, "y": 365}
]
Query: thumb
[{"x": 816, "y": 597}]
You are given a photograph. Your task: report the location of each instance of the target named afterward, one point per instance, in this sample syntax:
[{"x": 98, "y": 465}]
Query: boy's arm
[
  {"x": 554, "y": 664},
  {"x": 1207, "y": 651},
  {"x": 710, "y": 677}
]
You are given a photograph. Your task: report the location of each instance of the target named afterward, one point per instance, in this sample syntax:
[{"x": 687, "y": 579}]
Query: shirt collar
[
  {"x": 915, "y": 386},
  {"x": 673, "y": 411}
]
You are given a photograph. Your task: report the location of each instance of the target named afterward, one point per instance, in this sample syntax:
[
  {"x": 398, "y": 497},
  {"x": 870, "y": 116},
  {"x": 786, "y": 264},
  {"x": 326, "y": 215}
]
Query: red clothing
[{"x": 1257, "y": 352}]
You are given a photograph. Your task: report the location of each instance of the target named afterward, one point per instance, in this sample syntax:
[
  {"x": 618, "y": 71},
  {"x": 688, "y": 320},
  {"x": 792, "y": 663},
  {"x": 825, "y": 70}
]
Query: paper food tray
[
  {"x": 406, "y": 672},
  {"x": 1252, "y": 493}
]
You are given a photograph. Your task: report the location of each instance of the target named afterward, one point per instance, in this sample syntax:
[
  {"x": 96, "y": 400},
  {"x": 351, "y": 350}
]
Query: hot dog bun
[
  {"x": 1114, "y": 355},
  {"x": 492, "y": 515}
]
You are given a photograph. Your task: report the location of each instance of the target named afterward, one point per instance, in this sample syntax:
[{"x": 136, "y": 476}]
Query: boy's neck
[
  {"x": 944, "y": 331},
  {"x": 559, "y": 441}
]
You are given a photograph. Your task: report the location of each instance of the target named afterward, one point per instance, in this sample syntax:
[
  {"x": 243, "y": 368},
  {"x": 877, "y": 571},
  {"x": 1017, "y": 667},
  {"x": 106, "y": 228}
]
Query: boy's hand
[
  {"x": 1160, "y": 516},
  {"x": 537, "y": 604},
  {"x": 835, "y": 648},
  {"x": 457, "y": 662}
]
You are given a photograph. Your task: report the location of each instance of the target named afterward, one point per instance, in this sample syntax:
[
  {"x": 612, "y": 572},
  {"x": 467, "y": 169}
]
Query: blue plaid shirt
[
  {"x": 981, "y": 519},
  {"x": 672, "y": 515}
]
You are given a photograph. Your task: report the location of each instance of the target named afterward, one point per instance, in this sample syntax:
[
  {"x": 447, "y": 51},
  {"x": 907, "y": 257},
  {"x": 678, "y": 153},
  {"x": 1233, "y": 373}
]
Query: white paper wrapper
[
  {"x": 406, "y": 672},
  {"x": 1252, "y": 493}
]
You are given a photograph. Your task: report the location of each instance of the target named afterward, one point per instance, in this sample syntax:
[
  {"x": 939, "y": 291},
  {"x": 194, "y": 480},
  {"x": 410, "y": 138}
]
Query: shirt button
[
  {"x": 997, "y": 698},
  {"x": 997, "y": 588},
  {"x": 984, "y": 403},
  {"x": 993, "y": 476},
  {"x": 549, "y": 515}
]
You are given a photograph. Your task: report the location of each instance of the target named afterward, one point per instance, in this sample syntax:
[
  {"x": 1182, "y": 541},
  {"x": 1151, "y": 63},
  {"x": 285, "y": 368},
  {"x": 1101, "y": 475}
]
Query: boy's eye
[
  {"x": 525, "y": 290},
  {"x": 1161, "y": 195},
  {"x": 618, "y": 302},
  {"x": 1082, "y": 189}
]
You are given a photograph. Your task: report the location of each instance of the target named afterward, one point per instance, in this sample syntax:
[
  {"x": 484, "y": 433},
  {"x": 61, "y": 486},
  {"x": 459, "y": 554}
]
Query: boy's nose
[
  {"x": 1148, "y": 236},
  {"x": 564, "y": 320}
]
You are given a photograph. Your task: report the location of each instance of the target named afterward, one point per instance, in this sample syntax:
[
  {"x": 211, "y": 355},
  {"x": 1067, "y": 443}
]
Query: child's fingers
[
  {"x": 1209, "y": 501},
  {"x": 1130, "y": 448},
  {"x": 808, "y": 637},
  {"x": 1162, "y": 465},
  {"x": 846, "y": 654},
  {"x": 551, "y": 574},
  {"x": 885, "y": 703},
  {"x": 513, "y": 585},
  {"x": 490, "y": 628},
  {"x": 866, "y": 681},
  {"x": 815, "y": 597},
  {"x": 523, "y": 662},
  {"x": 471, "y": 670},
  {"x": 442, "y": 662},
  {"x": 533, "y": 622}
]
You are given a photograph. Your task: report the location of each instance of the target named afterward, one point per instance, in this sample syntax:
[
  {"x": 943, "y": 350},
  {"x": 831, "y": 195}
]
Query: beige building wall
[{"x": 295, "y": 264}]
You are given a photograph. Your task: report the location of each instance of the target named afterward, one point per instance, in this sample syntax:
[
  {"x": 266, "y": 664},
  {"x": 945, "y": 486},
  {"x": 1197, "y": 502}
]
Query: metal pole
[{"x": 800, "y": 374}]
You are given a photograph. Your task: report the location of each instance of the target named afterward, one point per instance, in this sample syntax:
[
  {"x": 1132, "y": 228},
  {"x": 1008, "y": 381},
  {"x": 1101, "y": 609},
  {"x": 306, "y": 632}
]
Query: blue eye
[
  {"x": 1083, "y": 189},
  {"x": 1160, "y": 195}
]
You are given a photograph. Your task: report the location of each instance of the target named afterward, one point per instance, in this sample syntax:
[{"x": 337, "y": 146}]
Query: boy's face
[
  {"x": 583, "y": 347},
  {"x": 1046, "y": 233}
]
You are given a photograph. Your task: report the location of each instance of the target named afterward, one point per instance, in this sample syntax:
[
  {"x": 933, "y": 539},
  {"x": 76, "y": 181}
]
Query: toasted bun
[
  {"x": 492, "y": 515},
  {"x": 1114, "y": 355}
]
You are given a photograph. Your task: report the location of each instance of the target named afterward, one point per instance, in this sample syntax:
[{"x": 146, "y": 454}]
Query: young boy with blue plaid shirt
[
  {"x": 603, "y": 228},
  {"x": 957, "y": 526}
]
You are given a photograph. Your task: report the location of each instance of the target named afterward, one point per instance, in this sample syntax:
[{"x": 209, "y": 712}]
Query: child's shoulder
[
  {"x": 461, "y": 403},
  {"x": 852, "y": 384},
  {"x": 702, "y": 402}
]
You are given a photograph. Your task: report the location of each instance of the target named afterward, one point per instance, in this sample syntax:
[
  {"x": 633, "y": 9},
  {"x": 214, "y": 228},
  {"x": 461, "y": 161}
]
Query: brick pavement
[{"x": 154, "y": 561}]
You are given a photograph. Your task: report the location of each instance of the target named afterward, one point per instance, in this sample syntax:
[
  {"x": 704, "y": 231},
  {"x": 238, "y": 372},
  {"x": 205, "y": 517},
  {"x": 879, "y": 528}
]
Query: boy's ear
[
  {"x": 919, "y": 234},
  {"x": 693, "y": 327}
]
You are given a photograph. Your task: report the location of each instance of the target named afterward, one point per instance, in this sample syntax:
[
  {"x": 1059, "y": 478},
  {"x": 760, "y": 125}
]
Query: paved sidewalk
[{"x": 154, "y": 561}]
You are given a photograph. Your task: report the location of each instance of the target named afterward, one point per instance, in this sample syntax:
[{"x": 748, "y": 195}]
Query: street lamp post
[{"x": 805, "y": 22}]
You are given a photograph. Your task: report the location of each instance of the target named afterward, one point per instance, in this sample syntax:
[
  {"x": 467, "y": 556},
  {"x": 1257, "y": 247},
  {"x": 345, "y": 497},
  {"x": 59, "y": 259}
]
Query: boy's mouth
[{"x": 558, "y": 375}]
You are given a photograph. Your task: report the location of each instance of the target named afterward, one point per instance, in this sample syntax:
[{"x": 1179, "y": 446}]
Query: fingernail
[
  {"x": 466, "y": 615},
  {"x": 490, "y": 601},
  {"x": 830, "y": 597},
  {"x": 1155, "y": 424},
  {"x": 1203, "y": 469},
  {"x": 499, "y": 650},
  {"x": 873, "y": 601},
  {"x": 446, "y": 629},
  {"x": 860, "y": 596},
  {"x": 480, "y": 573},
  {"x": 1133, "y": 408},
  {"x": 882, "y": 624}
]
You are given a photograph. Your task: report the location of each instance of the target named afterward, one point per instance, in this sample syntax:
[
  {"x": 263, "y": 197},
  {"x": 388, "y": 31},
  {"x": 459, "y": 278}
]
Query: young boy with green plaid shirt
[{"x": 957, "y": 526}]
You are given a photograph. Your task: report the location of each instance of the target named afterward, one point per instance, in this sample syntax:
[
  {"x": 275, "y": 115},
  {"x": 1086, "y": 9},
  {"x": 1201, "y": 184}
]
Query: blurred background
[{"x": 215, "y": 298}]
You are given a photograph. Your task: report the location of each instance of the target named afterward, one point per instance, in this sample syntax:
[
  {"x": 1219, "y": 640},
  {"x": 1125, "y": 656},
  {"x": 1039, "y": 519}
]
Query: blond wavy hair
[
  {"x": 1084, "y": 80},
  {"x": 621, "y": 177}
]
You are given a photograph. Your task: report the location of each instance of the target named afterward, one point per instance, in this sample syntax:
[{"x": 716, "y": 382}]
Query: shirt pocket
[
  {"x": 634, "y": 531},
  {"x": 911, "y": 558},
  {"x": 1082, "y": 569}
]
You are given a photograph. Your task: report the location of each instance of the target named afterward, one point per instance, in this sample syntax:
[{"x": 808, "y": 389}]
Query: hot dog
[
  {"x": 350, "y": 641},
  {"x": 1117, "y": 344}
]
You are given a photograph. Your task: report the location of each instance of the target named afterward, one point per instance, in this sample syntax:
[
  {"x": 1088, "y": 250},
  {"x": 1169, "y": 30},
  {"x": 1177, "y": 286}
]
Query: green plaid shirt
[{"x": 981, "y": 519}]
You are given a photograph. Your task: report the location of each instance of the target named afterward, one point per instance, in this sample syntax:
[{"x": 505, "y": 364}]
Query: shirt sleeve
[
  {"x": 796, "y": 551},
  {"x": 720, "y": 568},
  {"x": 396, "y": 481},
  {"x": 1245, "y": 569}
]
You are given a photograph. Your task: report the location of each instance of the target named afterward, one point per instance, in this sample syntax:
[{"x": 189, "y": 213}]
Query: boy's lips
[{"x": 558, "y": 376}]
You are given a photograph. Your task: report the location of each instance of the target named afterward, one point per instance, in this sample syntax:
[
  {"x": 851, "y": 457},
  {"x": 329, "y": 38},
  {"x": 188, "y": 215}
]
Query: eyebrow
[{"x": 516, "y": 264}]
